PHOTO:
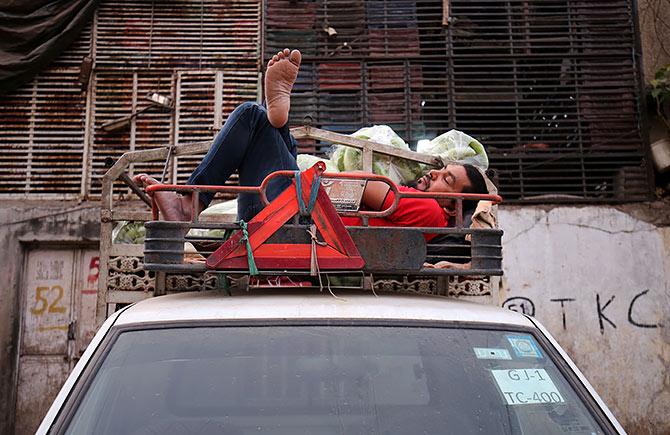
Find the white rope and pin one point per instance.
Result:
(331, 290)
(314, 260)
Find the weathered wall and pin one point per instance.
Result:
(597, 278)
(654, 19)
(23, 224)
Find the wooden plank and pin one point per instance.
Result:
(307, 132)
(154, 154)
(367, 160)
(160, 284)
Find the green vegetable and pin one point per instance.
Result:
(128, 232)
(457, 146)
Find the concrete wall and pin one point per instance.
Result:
(24, 224)
(597, 278)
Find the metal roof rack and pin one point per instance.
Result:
(378, 258)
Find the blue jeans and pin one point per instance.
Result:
(250, 145)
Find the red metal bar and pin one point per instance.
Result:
(496, 199)
(201, 188)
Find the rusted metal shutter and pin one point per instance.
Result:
(183, 34)
(551, 87)
(53, 135)
(42, 138)
(202, 54)
(204, 100)
(119, 94)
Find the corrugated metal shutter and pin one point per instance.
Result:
(551, 86)
(373, 70)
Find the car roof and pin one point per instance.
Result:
(215, 305)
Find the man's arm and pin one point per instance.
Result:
(374, 194)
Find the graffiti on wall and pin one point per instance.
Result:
(526, 305)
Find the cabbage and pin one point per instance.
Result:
(457, 146)
(337, 158)
(353, 159)
(128, 232)
(453, 145)
(397, 169)
(382, 134)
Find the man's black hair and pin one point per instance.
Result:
(477, 185)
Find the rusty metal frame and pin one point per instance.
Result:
(109, 215)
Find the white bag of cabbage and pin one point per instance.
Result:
(306, 161)
(128, 232)
(397, 169)
(457, 146)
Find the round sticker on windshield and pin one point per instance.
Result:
(524, 346)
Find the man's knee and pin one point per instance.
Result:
(250, 111)
(249, 107)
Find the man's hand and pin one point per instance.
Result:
(447, 265)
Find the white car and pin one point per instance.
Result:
(285, 362)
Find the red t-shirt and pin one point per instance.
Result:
(411, 212)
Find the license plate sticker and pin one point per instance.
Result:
(491, 353)
(524, 346)
(526, 386)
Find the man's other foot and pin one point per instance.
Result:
(279, 78)
(173, 207)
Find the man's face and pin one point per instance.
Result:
(450, 179)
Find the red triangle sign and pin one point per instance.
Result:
(336, 251)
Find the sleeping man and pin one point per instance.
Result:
(255, 141)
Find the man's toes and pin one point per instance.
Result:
(144, 180)
(295, 57)
(147, 180)
(286, 52)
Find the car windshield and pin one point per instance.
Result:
(395, 379)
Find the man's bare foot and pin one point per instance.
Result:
(173, 207)
(279, 78)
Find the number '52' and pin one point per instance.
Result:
(43, 303)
